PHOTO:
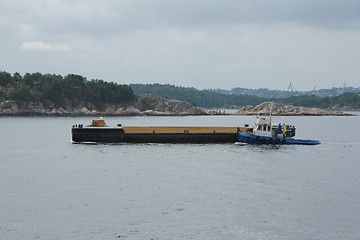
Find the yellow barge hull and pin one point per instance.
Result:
(155, 134)
(181, 129)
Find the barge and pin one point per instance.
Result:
(264, 132)
(99, 132)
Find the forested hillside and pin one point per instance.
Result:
(55, 91)
(201, 98)
(346, 100)
(268, 93)
(210, 99)
(50, 89)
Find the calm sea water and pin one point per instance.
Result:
(51, 188)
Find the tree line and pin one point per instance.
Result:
(268, 93)
(51, 89)
(211, 99)
(201, 98)
(348, 100)
(72, 89)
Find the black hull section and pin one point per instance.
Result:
(117, 135)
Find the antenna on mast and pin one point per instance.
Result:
(270, 106)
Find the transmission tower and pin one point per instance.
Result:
(291, 88)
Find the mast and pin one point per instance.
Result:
(270, 106)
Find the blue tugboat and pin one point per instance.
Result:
(265, 132)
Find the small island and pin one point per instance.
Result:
(280, 109)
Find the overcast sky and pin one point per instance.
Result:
(192, 43)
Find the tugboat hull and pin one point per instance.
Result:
(257, 139)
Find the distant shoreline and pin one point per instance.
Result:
(156, 106)
(95, 115)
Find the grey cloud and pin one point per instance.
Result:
(322, 13)
(202, 43)
(103, 18)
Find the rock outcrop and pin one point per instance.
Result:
(280, 109)
(150, 105)
(143, 105)
(153, 106)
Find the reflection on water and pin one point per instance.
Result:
(261, 147)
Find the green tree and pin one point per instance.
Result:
(5, 79)
(20, 92)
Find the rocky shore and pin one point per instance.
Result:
(154, 106)
(279, 109)
(143, 106)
